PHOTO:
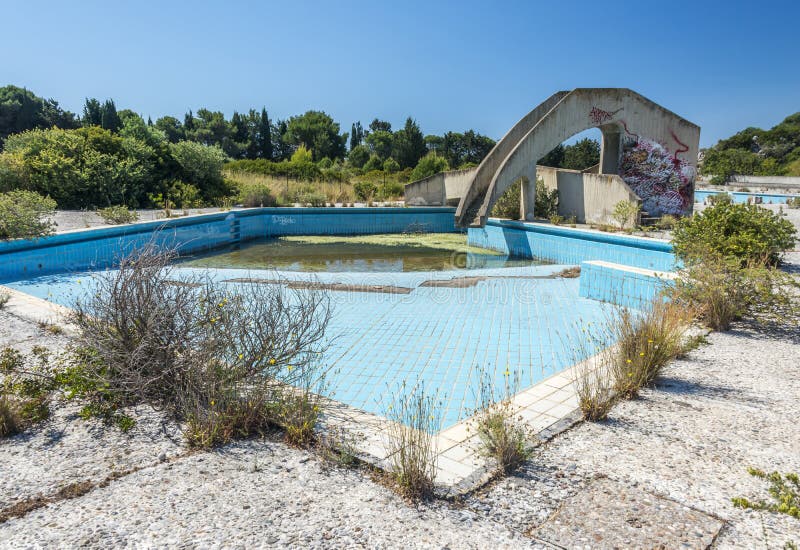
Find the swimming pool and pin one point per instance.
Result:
(702, 196)
(500, 311)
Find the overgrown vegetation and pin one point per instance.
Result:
(744, 231)
(26, 389)
(626, 213)
(722, 289)
(413, 418)
(646, 341)
(784, 490)
(546, 201)
(219, 358)
(753, 151)
(25, 215)
(508, 206)
(501, 432)
(118, 214)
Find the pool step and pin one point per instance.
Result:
(236, 230)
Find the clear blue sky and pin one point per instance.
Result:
(451, 65)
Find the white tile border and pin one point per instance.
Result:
(460, 466)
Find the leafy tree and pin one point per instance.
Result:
(554, 158)
(282, 149)
(467, 148)
(581, 155)
(380, 143)
(319, 133)
(21, 110)
(80, 168)
(92, 113)
(374, 163)
(171, 127)
(358, 156)
(201, 166)
(434, 143)
(390, 165)
(378, 125)
(429, 165)
(408, 144)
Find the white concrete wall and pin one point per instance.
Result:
(439, 189)
(589, 197)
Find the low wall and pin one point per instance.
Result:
(622, 285)
(103, 247)
(444, 188)
(571, 246)
(590, 197)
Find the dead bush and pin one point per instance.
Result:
(215, 355)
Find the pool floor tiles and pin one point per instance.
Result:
(442, 338)
(445, 340)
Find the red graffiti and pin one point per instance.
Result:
(684, 148)
(625, 126)
(599, 116)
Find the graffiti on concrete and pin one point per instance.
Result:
(661, 179)
(599, 116)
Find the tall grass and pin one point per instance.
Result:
(501, 432)
(413, 419)
(646, 341)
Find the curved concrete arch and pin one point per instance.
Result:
(667, 146)
(485, 172)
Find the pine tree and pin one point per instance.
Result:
(109, 119)
(264, 136)
(92, 112)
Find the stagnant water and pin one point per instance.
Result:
(290, 255)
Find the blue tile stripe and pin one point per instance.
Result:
(103, 247)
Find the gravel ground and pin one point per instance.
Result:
(69, 220)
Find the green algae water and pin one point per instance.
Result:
(366, 253)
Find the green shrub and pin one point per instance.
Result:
(722, 290)
(429, 165)
(253, 195)
(793, 202)
(118, 214)
(743, 231)
(314, 199)
(25, 215)
(555, 219)
(645, 343)
(508, 205)
(720, 198)
(4, 298)
(26, 389)
(546, 201)
(365, 191)
(784, 490)
(625, 213)
(667, 221)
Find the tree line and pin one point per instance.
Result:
(107, 155)
(756, 152)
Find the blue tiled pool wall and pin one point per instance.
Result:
(571, 246)
(743, 197)
(103, 247)
(616, 286)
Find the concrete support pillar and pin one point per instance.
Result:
(610, 151)
(528, 196)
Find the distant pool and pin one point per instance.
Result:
(742, 197)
